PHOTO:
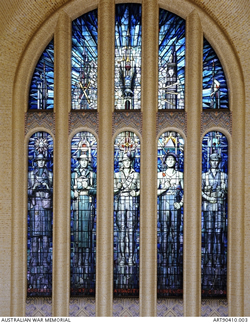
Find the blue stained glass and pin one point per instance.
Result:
(41, 94)
(171, 64)
(84, 61)
(215, 92)
(126, 214)
(128, 56)
(170, 190)
(214, 215)
(83, 214)
(40, 217)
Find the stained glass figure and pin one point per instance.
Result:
(41, 94)
(128, 56)
(126, 214)
(214, 214)
(40, 218)
(215, 92)
(170, 183)
(83, 214)
(171, 63)
(84, 61)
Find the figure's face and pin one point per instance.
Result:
(170, 161)
(214, 164)
(41, 163)
(83, 163)
(171, 72)
(126, 163)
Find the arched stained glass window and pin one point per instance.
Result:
(84, 61)
(170, 190)
(215, 92)
(126, 214)
(214, 214)
(41, 94)
(128, 56)
(40, 217)
(171, 65)
(83, 214)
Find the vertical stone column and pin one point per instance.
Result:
(104, 244)
(148, 219)
(61, 220)
(192, 210)
(19, 217)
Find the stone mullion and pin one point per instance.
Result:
(61, 219)
(104, 244)
(148, 219)
(192, 189)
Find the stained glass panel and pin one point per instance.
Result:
(83, 214)
(170, 190)
(128, 56)
(41, 94)
(215, 92)
(126, 214)
(40, 217)
(214, 214)
(171, 64)
(84, 61)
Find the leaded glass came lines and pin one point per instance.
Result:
(41, 94)
(128, 56)
(171, 64)
(215, 92)
(170, 191)
(40, 218)
(84, 61)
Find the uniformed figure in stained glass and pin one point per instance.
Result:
(126, 192)
(170, 202)
(40, 188)
(83, 193)
(128, 56)
(214, 219)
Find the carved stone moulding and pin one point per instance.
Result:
(44, 119)
(218, 118)
(132, 119)
(83, 119)
(175, 119)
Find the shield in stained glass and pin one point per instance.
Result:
(126, 214)
(83, 214)
(40, 217)
(41, 94)
(128, 56)
(215, 92)
(171, 64)
(170, 190)
(214, 215)
(84, 61)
